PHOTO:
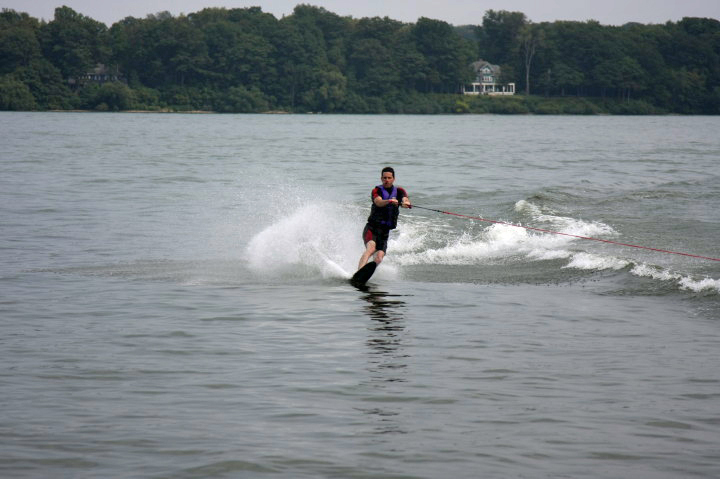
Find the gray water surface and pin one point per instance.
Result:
(174, 298)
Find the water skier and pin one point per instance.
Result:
(387, 200)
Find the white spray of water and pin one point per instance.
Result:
(589, 261)
(322, 241)
(564, 224)
(592, 262)
(314, 241)
(503, 242)
(500, 241)
(683, 282)
(595, 262)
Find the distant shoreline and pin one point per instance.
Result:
(449, 104)
(241, 60)
(190, 112)
(207, 112)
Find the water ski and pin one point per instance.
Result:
(363, 274)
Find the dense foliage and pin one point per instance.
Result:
(246, 60)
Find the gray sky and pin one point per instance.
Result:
(456, 12)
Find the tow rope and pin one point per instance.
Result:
(566, 234)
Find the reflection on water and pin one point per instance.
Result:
(387, 358)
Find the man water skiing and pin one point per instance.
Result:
(386, 202)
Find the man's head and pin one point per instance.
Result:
(388, 177)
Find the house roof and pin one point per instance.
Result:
(100, 69)
(480, 65)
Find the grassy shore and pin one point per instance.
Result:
(444, 104)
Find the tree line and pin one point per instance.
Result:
(246, 60)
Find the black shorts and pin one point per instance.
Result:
(378, 235)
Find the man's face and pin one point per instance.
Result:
(387, 179)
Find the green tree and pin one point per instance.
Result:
(373, 64)
(631, 76)
(530, 38)
(329, 94)
(689, 95)
(160, 50)
(497, 38)
(19, 44)
(565, 77)
(47, 85)
(187, 59)
(15, 95)
(114, 95)
(373, 67)
(237, 54)
(447, 55)
(74, 43)
(308, 47)
(241, 100)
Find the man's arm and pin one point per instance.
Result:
(381, 203)
(405, 200)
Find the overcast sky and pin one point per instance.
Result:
(456, 12)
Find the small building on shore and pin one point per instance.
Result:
(98, 75)
(487, 81)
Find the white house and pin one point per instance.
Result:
(487, 81)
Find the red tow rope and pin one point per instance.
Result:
(566, 234)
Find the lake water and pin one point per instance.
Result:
(174, 299)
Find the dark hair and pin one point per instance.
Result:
(388, 169)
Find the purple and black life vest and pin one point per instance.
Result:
(386, 216)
